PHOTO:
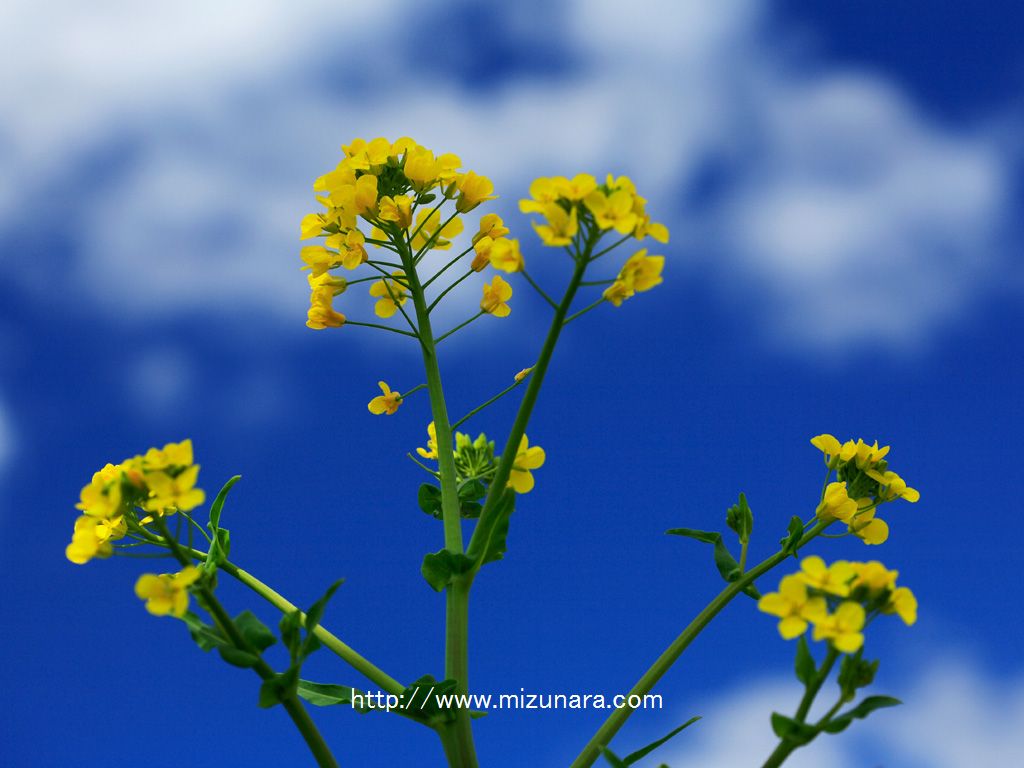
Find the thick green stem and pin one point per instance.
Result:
(670, 655)
(457, 595)
(785, 748)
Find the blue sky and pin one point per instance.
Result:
(843, 188)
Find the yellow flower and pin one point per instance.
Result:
(427, 230)
(166, 593)
(903, 603)
(647, 228)
(390, 295)
(829, 445)
(321, 312)
(834, 579)
(311, 226)
(365, 201)
(505, 255)
(318, 259)
(577, 188)
(327, 280)
(473, 190)
(169, 494)
(351, 247)
(617, 292)
(448, 165)
(491, 226)
(874, 576)
(397, 209)
(387, 403)
(102, 496)
(92, 537)
(527, 458)
(561, 226)
(421, 168)
(893, 486)
(496, 293)
(842, 628)
(523, 373)
(642, 272)
(401, 146)
(482, 253)
(172, 454)
(870, 529)
(430, 452)
(836, 503)
(614, 211)
(794, 607)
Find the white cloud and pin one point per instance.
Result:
(953, 716)
(846, 215)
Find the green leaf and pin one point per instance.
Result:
(855, 672)
(473, 490)
(806, 668)
(614, 760)
(237, 656)
(256, 633)
(794, 532)
(429, 499)
(496, 542)
(290, 635)
(839, 723)
(419, 700)
(642, 753)
(439, 568)
(316, 611)
(279, 687)
(793, 731)
(724, 561)
(741, 519)
(328, 695)
(218, 503)
(204, 635)
(425, 198)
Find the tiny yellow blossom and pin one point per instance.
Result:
(482, 253)
(496, 294)
(386, 403)
(167, 593)
(576, 188)
(874, 576)
(102, 496)
(842, 628)
(543, 191)
(505, 255)
(390, 295)
(397, 209)
(351, 247)
(321, 312)
(829, 445)
(834, 579)
(836, 503)
(92, 537)
(903, 603)
(366, 195)
(170, 493)
(617, 292)
(614, 211)
(430, 452)
(318, 259)
(421, 168)
(642, 272)
(523, 373)
(172, 454)
(793, 606)
(327, 280)
(894, 486)
(429, 229)
(473, 190)
(527, 458)
(561, 226)
(491, 226)
(312, 225)
(870, 529)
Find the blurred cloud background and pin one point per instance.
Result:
(842, 182)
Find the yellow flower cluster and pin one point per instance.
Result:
(613, 205)
(161, 481)
(167, 593)
(864, 482)
(640, 273)
(837, 600)
(391, 187)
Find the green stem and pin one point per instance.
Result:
(670, 655)
(295, 709)
(584, 311)
(380, 327)
(445, 292)
(538, 289)
(785, 748)
(481, 534)
(457, 594)
(331, 641)
(480, 407)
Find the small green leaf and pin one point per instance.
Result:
(724, 561)
(614, 760)
(793, 731)
(327, 695)
(794, 533)
(644, 752)
(741, 519)
(237, 656)
(429, 499)
(425, 198)
(290, 635)
(316, 611)
(439, 568)
(204, 635)
(256, 633)
(279, 687)
(218, 548)
(473, 490)
(870, 704)
(806, 668)
(855, 672)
